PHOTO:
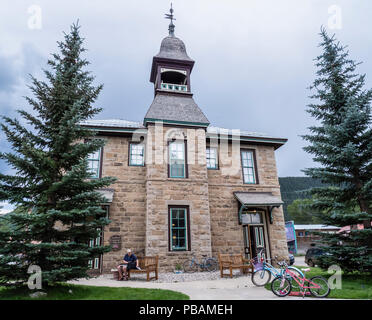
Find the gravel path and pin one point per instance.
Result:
(171, 277)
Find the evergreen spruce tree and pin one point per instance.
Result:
(58, 209)
(342, 145)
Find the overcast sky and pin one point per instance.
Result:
(254, 58)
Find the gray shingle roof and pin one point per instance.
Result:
(176, 107)
(173, 48)
(119, 123)
(211, 131)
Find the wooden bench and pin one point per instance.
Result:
(233, 261)
(147, 264)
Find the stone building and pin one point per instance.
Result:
(185, 187)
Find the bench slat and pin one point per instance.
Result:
(233, 261)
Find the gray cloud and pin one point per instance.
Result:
(7, 74)
(14, 78)
(253, 58)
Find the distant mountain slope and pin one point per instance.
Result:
(293, 188)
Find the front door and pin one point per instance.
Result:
(257, 241)
(247, 246)
(254, 234)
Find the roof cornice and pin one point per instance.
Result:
(178, 123)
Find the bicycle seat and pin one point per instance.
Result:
(306, 269)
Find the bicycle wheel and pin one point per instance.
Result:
(190, 266)
(281, 287)
(261, 277)
(323, 289)
(211, 264)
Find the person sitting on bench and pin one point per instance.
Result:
(130, 261)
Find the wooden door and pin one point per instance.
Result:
(257, 241)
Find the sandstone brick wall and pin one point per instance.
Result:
(139, 211)
(227, 234)
(162, 192)
(127, 211)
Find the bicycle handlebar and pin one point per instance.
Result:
(282, 263)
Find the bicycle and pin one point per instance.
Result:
(281, 286)
(264, 271)
(209, 264)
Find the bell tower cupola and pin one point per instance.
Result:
(170, 74)
(171, 67)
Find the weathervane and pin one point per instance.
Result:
(171, 18)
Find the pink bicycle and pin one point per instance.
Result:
(282, 285)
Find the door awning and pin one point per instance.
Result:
(258, 199)
(108, 194)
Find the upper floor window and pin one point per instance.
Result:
(212, 159)
(94, 164)
(136, 154)
(179, 229)
(249, 174)
(177, 160)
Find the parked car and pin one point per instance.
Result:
(291, 259)
(312, 255)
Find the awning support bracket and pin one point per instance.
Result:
(242, 207)
(271, 208)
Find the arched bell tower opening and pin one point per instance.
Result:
(173, 79)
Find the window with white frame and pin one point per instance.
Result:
(248, 168)
(94, 164)
(136, 154)
(95, 263)
(177, 162)
(212, 158)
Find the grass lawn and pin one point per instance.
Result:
(79, 292)
(354, 286)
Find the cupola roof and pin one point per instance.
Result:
(173, 48)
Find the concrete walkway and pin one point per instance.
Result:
(240, 288)
(300, 261)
